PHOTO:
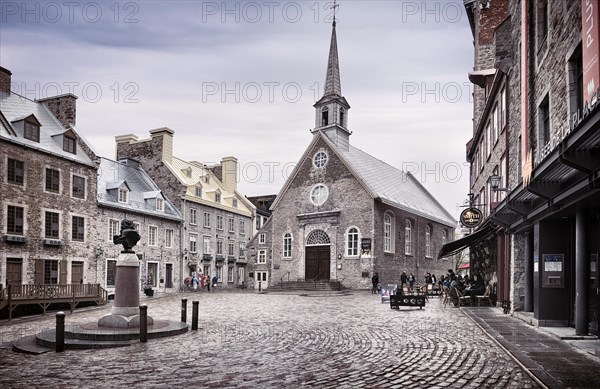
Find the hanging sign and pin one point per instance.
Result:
(471, 217)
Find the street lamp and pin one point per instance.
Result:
(495, 183)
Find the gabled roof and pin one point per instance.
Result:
(15, 108)
(112, 174)
(382, 181)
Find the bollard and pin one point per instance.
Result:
(195, 315)
(183, 310)
(259, 286)
(60, 332)
(143, 323)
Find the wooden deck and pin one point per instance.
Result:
(44, 295)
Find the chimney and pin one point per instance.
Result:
(63, 107)
(229, 167)
(5, 75)
(165, 135)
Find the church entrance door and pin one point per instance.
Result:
(317, 263)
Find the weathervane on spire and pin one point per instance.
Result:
(334, 7)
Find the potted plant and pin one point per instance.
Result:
(147, 284)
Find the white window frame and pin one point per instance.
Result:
(193, 216)
(220, 222)
(193, 244)
(123, 190)
(261, 257)
(408, 237)
(320, 159)
(160, 204)
(73, 175)
(111, 223)
(60, 223)
(206, 245)
(231, 247)
(206, 219)
(231, 223)
(150, 242)
(287, 245)
(316, 197)
(169, 238)
(262, 238)
(154, 283)
(242, 227)
(220, 247)
(389, 227)
(352, 245)
(230, 271)
(427, 241)
(85, 227)
(242, 248)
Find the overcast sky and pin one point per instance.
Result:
(240, 78)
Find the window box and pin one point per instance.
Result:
(207, 257)
(52, 242)
(15, 239)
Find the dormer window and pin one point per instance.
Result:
(160, 204)
(188, 172)
(218, 196)
(234, 203)
(31, 131)
(198, 191)
(123, 195)
(324, 116)
(207, 179)
(69, 144)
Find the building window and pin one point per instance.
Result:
(15, 171)
(234, 203)
(160, 204)
(231, 248)
(428, 241)
(69, 145)
(111, 273)
(152, 235)
(495, 125)
(219, 222)
(113, 229)
(503, 109)
(78, 229)
(408, 238)
(207, 179)
(206, 219)
(262, 256)
(231, 224)
(242, 249)
(52, 180)
(488, 139)
(542, 26)
(544, 121)
(206, 241)
(242, 227)
(152, 274)
(193, 216)
(576, 84)
(261, 238)
(503, 177)
(320, 159)
(324, 116)
(352, 242)
(388, 232)
(50, 271)
(342, 117)
(444, 237)
(219, 273)
(31, 131)
(230, 274)
(52, 223)
(124, 195)
(14, 220)
(193, 244)
(169, 239)
(319, 194)
(287, 245)
(219, 246)
(78, 187)
(198, 191)
(217, 197)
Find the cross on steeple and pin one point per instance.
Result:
(335, 6)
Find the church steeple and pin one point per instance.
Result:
(332, 109)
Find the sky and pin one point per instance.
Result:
(240, 78)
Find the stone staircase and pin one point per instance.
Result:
(308, 285)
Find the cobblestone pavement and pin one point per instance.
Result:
(250, 340)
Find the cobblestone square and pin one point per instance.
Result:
(275, 340)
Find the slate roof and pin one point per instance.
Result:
(112, 174)
(15, 107)
(393, 186)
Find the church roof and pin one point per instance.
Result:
(393, 186)
(333, 85)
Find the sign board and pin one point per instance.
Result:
(590, 50)
(471, 217)
(365, 244)
(553, 270)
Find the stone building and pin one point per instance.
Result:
(48, 192)
(217, 219)
(343, 214)
(548, 58)
(125, 191)
(263, 210)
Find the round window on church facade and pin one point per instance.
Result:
(319, 194)
(320, 159)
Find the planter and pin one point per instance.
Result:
(149, 292)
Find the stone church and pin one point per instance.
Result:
(343, 214)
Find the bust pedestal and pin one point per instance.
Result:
(125, 312)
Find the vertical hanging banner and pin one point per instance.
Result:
(590, 50)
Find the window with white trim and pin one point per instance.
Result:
(78, 228)
(287, 245)
(152, 235)
(207, 248)
(262, 256)
(319, 194)
(408, 238)
(242, 249)
(230, 274)
(388, 232)
(320, 159)
(193, 243)
(15, 220)
(160, 204)
(242, 227)
(219, 222)
(193, 216)
(113, 229)
(428, 241)
(231, 247)
(261, 238)
(352, 238)
(123, 195)
(169, 235)
(219, 246)
(231, 224)
(15, 173)
(78, 187)
(206, 219)
(52, 225)
(52, 180)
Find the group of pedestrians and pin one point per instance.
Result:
(199, 281)
(468, 286)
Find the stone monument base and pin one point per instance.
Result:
(121, 321)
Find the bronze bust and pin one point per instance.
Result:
(128, 238)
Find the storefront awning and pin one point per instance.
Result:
(468, 241)
(464, 266)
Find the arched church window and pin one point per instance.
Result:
(317, 238)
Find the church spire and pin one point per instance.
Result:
(333, 85)
(331, 116)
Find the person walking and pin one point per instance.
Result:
(375, 282)
(208, 282)
(403, 279)
(411, 280)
